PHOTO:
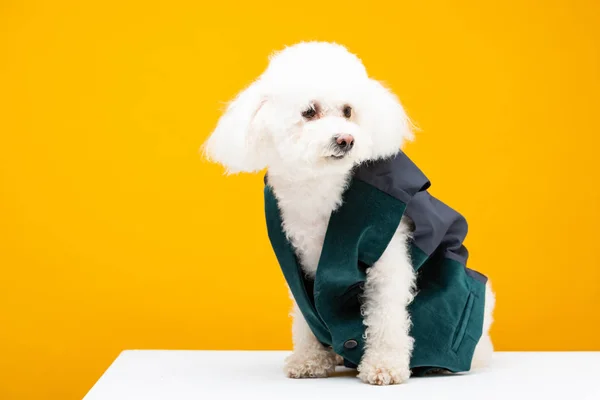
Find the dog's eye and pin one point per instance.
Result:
(309, 113)
(347, 111)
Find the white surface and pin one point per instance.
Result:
(199, 375)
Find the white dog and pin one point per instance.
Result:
(310, 118)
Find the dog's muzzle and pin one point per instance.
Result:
(342, 144)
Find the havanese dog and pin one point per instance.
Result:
(311, 119)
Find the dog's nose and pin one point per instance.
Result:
(345, 142)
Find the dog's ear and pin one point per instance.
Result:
(238, 140)
(387, 121)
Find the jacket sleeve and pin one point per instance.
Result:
(437, 228)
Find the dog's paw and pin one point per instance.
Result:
(310, 364)
(382, 373)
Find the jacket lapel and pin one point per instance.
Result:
(301, 289)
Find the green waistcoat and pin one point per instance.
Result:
(446, 313)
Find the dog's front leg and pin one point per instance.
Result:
(389, 288)
(310, 358)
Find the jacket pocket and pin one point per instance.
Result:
(461, 328)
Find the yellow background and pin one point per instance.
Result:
(114, 234)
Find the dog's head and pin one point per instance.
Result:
(314, 108)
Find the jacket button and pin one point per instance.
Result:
(350, 344)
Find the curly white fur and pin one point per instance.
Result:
(264, 127)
